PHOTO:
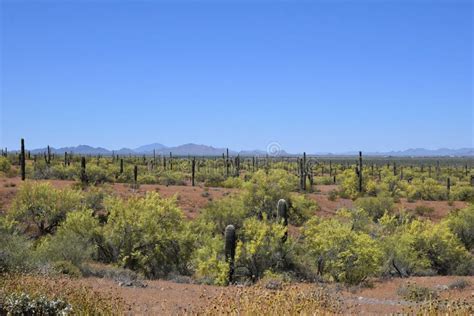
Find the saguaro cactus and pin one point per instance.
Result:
(83, 170)
(472, 180)
(302, 176)
(360, 172)
(193, 169)
(282, 216)
(22, 160)
(229, 249)
(448, 186)
(121, 165)
(49, 156)
(135, 175)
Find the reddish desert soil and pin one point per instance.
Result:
(169, 298)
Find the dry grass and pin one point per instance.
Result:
(83, 299)
(290, 300)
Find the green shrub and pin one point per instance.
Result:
(15, 249)
(209, 261)
(23, 304)
(260, 247)
(415, 293)
(461, 223)
(462, 193)
(346, 255)
(148, 234)
(74, 241)
(169, 177)
(422, 247)
(262, 192)
(5, 165)
(225, 211)
(376, 207)
(67, 268)
(43, 206)
(423, 210)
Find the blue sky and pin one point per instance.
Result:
(314, 76)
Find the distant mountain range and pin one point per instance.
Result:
(204, 150)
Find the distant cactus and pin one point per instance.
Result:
(448, 185)
(282, 216)
(193, 170)
(121, 165)
(360, 172)
(83, 170)
(22, 160)
(135, 175)
(229, 249)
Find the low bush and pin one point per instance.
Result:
(415, 293)
(376, 207)
(43, 206)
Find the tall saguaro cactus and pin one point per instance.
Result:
(135, 176)
(121, 165)
(448, 186)
(83, 170)
(282, 216)
(193, 170)
(22, 160)
(229, 249)
(360, 172)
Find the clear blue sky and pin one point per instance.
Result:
(314, 76)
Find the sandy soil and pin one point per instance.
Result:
(169, 298)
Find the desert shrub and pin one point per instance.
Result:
(209, 261)
(262, 192)
(147, 179)
(349, 184)
(170, 177)
(94, 197)
(392, 185)
(232, 182)
(344, 254)
(461, 223)
(63, 172)
(5, 165)
(50, 291)
(212, 179)
(148, 234)
(422, 247)
(225, 211)
(428, 190)
(459, 284)
(43, 206)
(67, 268)
(74, 240)
(300, 209)
(97, 174)
(15, 249)
(23, 304)
(462, 193)
(423, 210)
(415, 293)
(376, 207)
(260, 247)
(332, 196)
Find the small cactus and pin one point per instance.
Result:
(229, 249)
(83, 170)
(22, 160)
(193, 170)
(282, 216)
